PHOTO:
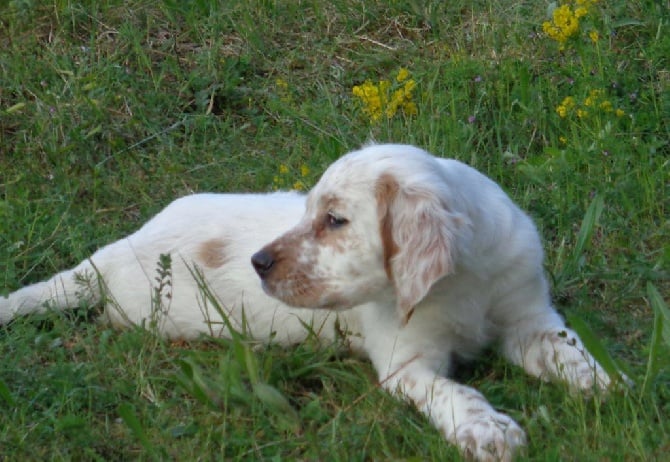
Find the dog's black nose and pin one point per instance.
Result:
(263, 263)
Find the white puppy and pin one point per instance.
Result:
(417, 258)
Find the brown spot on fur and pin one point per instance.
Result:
(212, 253)
(386, 189)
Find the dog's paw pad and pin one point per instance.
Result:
(493, 437)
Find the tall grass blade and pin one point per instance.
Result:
(660, 333)
(192, 381)
(275, 401)
(589, 222)
(660, 309)
(595, 347)
(127, 413)
(576, 258)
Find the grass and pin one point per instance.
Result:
(110, 109)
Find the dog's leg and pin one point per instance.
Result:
(64, 290)
(461, 413)
(546, 348)
(409, 364)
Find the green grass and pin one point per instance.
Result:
(110, 109)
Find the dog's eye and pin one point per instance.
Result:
(336, 222)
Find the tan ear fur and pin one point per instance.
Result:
(386, 190)
(417, 236)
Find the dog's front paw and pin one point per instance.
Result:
(490, 437)
(590, 377)
(563, 356)
(585, 374)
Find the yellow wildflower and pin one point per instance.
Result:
(408, 88)
(377, 99)
(564, 24)
(580, 12)
(593, 104)
(304, 170)
(410, 108)
(403, 74)
(279, 180)
(562, 139)
(373, 97)
(594, 96)
(402, 99)
(384, 86)
(566, 106)
(606, 106)
(283, 178)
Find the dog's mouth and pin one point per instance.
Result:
(266, 288)
(288, 292)
(305, 296)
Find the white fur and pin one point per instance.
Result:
(434, 259)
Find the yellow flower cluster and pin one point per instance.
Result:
(280, 180)
(565, 21)
(386, 98)
(566, 107)
(594, 102)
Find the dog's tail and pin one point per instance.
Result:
(69, 289)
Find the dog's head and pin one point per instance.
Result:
(377, 225)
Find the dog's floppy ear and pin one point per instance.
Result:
(418, 235)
